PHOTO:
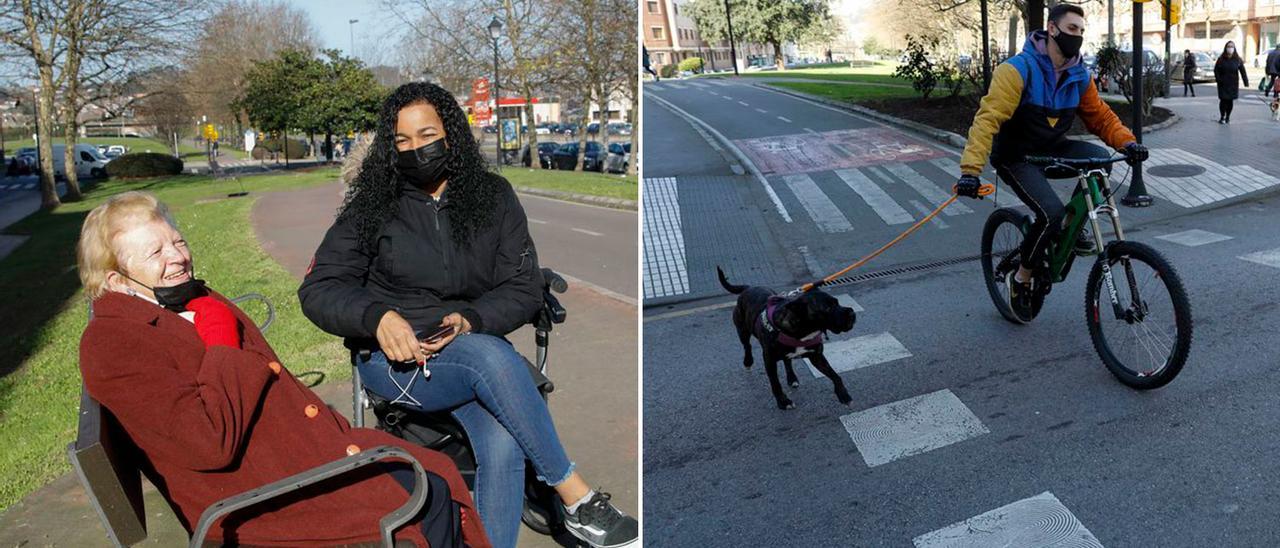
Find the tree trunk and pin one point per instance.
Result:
(778, 61)
(582, 138)
(44, 111)
(69, 157)
(635, 133)
(328, 146)
(534, 163)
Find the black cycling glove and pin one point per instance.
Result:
(968, 186)
(1135, 152)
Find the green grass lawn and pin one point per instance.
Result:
(880, 73)
(851, 94)
(135, 144)
(45, 311)
(588, 182)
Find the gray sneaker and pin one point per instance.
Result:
(598, 523)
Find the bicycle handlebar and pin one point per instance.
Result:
(1075, 163)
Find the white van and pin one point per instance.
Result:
(90, 163)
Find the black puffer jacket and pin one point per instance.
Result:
(419, 271)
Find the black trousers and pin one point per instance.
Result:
(1031, 186)
(1188, 86)
(1225, 106)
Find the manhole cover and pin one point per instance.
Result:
(1176, 170)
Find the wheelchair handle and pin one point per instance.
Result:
(554, 281)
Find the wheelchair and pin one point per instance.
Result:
(441, 432)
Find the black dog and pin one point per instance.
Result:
(789, 328)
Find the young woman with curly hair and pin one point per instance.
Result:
(429, 237)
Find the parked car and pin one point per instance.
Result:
(619, 128)
(545, 152)
(543, 129)
(566, 157)
(112, 154)
(491, 128)
(1204, 67)
(593, 128)
(569, 130)
(619, 158)
(88, 161)
(118, 149)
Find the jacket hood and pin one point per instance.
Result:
(1038, 43)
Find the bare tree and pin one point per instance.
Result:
(34, 27)
(166, 106)
(228, 43)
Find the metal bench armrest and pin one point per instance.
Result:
(388, 524)
(271, 309)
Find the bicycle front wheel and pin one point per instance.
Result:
(1145, 337)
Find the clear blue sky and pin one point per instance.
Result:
(329, 17)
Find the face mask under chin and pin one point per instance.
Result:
(176, 297)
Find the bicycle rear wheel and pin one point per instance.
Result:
(1147, 345)
(1001, 240)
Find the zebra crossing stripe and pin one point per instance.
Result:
(863, 351)
(910, 427)
(846, 299)
(1270, 257)
(927, 188)
(1041, 520)
(947, 165)
(874, 196)
(824, 212)
(675, 86)
(924, 212)
(1194, 237)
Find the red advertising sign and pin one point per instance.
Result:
(480, 101)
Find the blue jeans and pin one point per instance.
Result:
(486, 385)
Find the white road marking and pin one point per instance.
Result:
(1269, 257)
(1041, 520)
(664, 271)
(674, 85)
(742, 158)
(743, 103)
(587, 232)
(811, 131)
(815, 268)
(864, 351)
(762, 111)
(847, 300)
(874, 196)
(910, 427)
(927, 188)
(537, 221)
(821, 209)
(1194, 237)
(727, 98)
(784, 119)
(925, 211)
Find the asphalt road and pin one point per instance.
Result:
(1027, 430)
(1187, 465)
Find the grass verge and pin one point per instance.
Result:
(880, 73)
(591, 183)
(45, 311)
(850, 94)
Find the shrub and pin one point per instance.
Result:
(144, 164)
(1117, 66)
(918, 68)
(693, 64)
(667, 71)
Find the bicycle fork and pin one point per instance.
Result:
(1136, 311)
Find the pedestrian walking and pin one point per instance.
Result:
(648, 68)
(1188, 73)
(1224, 73)
(1273, 72)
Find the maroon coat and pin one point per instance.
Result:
(221, 421)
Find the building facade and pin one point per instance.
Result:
(671, 37)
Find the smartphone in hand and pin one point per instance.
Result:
(439, 335)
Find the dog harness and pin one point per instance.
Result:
(766, 322)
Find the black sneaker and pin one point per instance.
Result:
(598, 523)
(1019, 296)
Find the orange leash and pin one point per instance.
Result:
(983, 190)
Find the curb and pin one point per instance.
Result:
(613, 203)
(943, 136)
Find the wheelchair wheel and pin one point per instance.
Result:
(542, 511)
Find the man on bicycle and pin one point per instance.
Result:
(1033, 99)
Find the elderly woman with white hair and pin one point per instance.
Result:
(196, 386)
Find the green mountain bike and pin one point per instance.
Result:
(1139, 320)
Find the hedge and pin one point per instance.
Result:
(144, 164)
(297, 148)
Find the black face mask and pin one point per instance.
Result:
(176, 297)
(424, 166)
(1069, 44)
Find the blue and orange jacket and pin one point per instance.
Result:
(1028, 110)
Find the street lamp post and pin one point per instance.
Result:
(351, 31)
(1137, 195)
(495, 30)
